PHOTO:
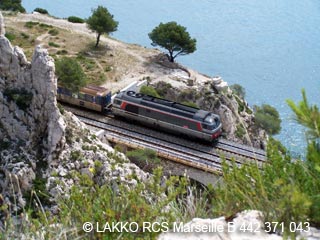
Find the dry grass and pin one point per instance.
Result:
(102, 65)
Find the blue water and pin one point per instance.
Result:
(272, 48)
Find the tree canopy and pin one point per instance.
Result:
(101, 21)
(174, 38)
(70, 74)
(12, 5)
(267, 117)
(238, 90)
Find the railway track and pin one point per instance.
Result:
(164, 149)
(225, 148)
(196, 155)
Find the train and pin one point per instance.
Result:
(90, 97)
(156, 112)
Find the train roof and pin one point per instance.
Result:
(170, 103)
(95, 90)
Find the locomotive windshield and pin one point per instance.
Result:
(211, 121)
(209, 118)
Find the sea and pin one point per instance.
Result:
(271, 48)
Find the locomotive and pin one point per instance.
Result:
(167, 115)
(156, 112)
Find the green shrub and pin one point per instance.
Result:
(163, 88)
(188, 95)
(62, 52)
(41, 10)
(70, 74)
(10, 36)
(43, 25)
(284, 189)
(267, 117)
(238, 90)
(76, 155)
(278, 190)
(75, 19)
(148, 90)
(31, 24)
(12, 5)
(240, 131)
(61, 108)
(146, 156)
(24, 35)
(53, 44)
(53, 32)
(21, 97)
(141, 203)
(108, 69)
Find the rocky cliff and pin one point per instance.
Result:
(37, 141)
(2, 30)
(214, 94)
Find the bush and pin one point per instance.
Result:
(149, 91)
(70, 74)
(41, 10)
(43, 25)
(238, 90)
(31, 24)
(279, 190)
(12, 5)
(53, 32)
(106, 204)
(62, 52)
(240, 131)
(163, 88)
(75, 19)
(10, 36)
(21, 97)
(267, 117)
(143, 155)
(24, 35)
(53, 44)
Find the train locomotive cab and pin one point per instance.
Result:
(212, 123)
(168, 115)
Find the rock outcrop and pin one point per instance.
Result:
(31, 128)
(214, 95)
(28, 107)
(2, 30)
(40, 142)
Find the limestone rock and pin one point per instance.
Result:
(2, 29)
(219, 84)
(40, 119)
(31, 126)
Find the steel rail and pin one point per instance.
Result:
(163, 149)
(203, 161)
(229, 150)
